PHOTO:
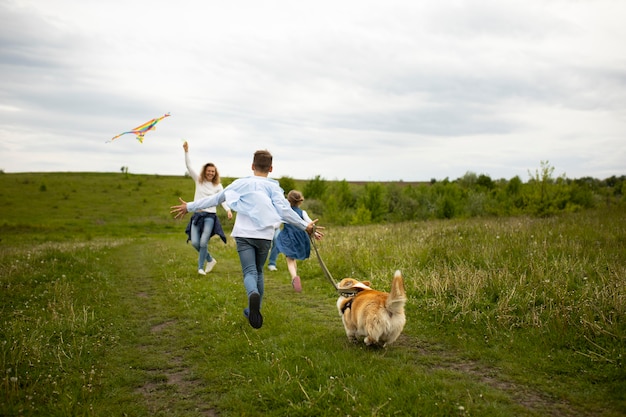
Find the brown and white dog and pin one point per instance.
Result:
(378, 316)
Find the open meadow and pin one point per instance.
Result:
(102, 313)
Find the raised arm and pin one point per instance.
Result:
(193, 174)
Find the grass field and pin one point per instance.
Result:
(102, 313)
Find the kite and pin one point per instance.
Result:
(140, 131)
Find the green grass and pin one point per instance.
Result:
(102, 313)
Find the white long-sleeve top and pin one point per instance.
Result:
(260, 204)
(204, 189)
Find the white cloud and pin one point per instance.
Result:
(356, 90)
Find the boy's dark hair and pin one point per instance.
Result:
(262, 161)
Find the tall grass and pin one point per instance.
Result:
(507, 287)
(105, 315)
(52, 330)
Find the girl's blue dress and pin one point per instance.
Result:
(294, 242)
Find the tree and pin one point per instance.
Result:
(545, 199)
(468, 180)
(287, 184)
(485, 181)
(543, 179)
(373, 199)
(315, 188)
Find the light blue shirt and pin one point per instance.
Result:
(260, 204)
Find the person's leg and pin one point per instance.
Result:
(203, 253)
(209, 222)
(195, 242)
(203, 242)
(247, 251)
(273, 253)
(195, 236)
(292, 266)
(263, 249)
(252, 255)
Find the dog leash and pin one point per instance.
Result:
(347, 292)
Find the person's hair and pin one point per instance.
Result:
(295, 197)
(262, 161)
(216, 178)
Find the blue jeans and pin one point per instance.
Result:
(252, 255)
(200, 240)
(274, 252)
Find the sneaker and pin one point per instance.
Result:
(296, 284)
(254, 315)
(209, 265)
(272, 268)
(201, 272)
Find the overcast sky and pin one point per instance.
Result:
(359, 90)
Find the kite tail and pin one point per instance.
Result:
(112, 139)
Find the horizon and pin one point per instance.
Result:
(120, 172)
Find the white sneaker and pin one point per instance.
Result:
(210, 265)
(272, 268)
(201, 272)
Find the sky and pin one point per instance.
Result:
(391, 90)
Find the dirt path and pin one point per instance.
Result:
(170, 387)
(173, 385)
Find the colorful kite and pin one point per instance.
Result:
(140, 131)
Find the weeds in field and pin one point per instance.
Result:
(563, 277)
(506, 316)
(51, 335)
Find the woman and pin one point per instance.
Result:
(204, 223)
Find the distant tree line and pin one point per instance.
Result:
(472, 195)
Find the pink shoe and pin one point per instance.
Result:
(295, 283)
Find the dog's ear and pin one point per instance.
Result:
(362, 286)
(347, 283)
(369, 284)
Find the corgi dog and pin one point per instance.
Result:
(375, 315)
